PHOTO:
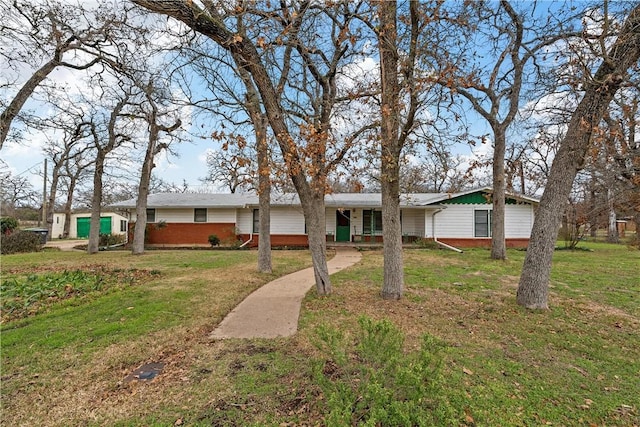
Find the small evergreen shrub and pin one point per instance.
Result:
(19, 242)
(8, 225)
(370, 380)
(214, 240)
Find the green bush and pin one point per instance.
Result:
(18, 242)
(108, 239)
(214, 240)
(370, 381)
(8, 225)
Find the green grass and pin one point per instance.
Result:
(576, 364)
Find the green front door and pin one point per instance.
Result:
(343, 226)
(84, 225)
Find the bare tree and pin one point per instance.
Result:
(107, 135)
(268, 59)
(152, 115)
(50, 34)
(599, 91)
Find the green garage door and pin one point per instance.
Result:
(84, 224)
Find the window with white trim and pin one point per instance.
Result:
(151, 215)
(200, 215)
(123, 226)
(256, 221)
(482, 223)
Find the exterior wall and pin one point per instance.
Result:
(295, 240)
(221, 215)
(518, 221)
(456, 221)
(58, 223)
(413, 223)
(287, 221)
(192, 234)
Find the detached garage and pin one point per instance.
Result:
(110, 223)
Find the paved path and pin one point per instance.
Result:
(273, 310)
(65, 245)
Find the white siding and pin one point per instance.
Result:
(518, 221)
(413, 222)
(330, 220)
(456, 221)
(245, 221)
(287, 221)
(174, 215)
(283, 221)
(221, 215)
(57, 226)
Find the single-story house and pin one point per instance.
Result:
(457, 219)
(110, 223)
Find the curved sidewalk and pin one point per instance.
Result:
(273, 310)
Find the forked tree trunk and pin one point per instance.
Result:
(137, 247)
(536, 272)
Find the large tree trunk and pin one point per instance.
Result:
(96, 205)
(314, 213)
(264, 198)
(137, 247)
(536, 272)
(498, 244)
(393, 285)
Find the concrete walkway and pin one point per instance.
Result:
(66, 245)
(273, 310)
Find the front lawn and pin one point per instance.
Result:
(65, 363)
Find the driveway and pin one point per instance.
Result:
(66, 245)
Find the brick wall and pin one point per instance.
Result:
(186, 233)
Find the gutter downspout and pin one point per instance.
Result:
(433, 232)
(248, 241)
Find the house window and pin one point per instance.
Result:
(200, 215)
(123, 226)
(371, 222)
(482, 223)
(256, 220)
(151, 215)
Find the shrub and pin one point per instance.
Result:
(214, 240)
(108, 239)
(8, 225)
(19, 242)
(372, 381)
